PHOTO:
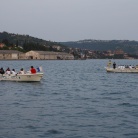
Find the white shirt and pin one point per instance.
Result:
(13, 72)
(8, 72)
(21, 72)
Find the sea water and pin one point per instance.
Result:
(75, 99)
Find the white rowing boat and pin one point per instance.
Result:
(28, 77)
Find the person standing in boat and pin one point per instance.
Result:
(2, 71)
(109, 63)
(114, 65)
(33, 70)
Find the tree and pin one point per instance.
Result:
(17, 43)
(6, 42)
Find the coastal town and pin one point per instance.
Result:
(25, 47)
(60, 53)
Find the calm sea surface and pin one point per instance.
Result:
(75, 99)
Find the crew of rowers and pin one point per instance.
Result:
(8, 71)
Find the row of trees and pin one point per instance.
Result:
(27, 46)
(34, 46)
(26, 42)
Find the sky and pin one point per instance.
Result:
(71, 20)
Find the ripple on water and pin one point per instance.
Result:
(75, 99)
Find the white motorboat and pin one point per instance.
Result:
(28, 77)
(122, 70)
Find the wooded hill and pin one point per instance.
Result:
(32, 43)
(26, 41)
(127, 46)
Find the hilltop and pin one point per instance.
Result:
(27, 42)
(130, 47)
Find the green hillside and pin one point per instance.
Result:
(127, 46)
(26, 41)
(31, 43)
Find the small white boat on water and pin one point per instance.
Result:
(28, 77)
(121, 70)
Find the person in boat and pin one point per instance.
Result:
(2, 71)
(130, 67)
(33, 70)
(13, 72)
(109, 63)
(22, 71)
(114, 65)
(8, 71)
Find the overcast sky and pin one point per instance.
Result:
(71, 20)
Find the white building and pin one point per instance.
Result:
(11, 54)
(48, 55)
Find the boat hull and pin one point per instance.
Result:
(118, 70)
(22, 77)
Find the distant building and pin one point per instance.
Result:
(11, 54)
(108, 53)
(14, 54)
(48, 55)
(56, 47)
(127, 57)
(2, 45)
(119, 52)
